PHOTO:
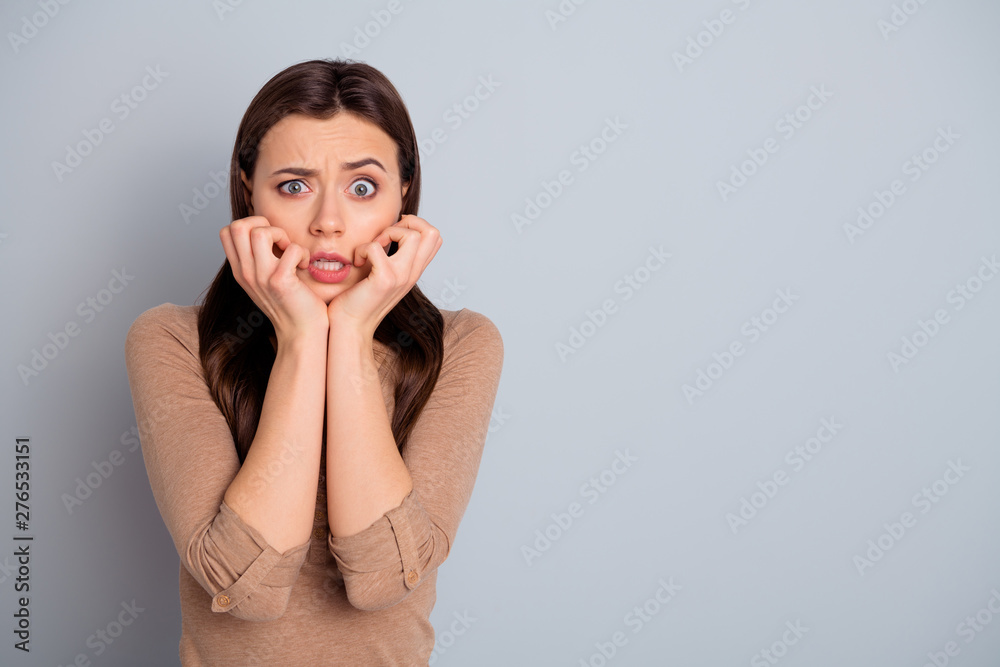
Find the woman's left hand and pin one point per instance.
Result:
(363, 305)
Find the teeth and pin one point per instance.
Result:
(328, 265)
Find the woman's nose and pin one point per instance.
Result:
(328, 216)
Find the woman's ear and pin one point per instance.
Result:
(247, 192)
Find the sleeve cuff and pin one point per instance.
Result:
(389, 545)
(256, 568)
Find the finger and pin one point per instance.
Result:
(365, 252)
(416, 251)
(262, 240)
(241, 230)
(394, 233)
(226, 238)
(226, 235)
(244, 250)
(425, 253)
(410, 259)
(406, 222)
(290, 261)
(413, 221)
(383, 242)
(301, 255)
(382, 272)
(404, 252)
(281, 239)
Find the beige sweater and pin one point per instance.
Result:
(363, 599)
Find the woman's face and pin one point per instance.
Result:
(332, 185)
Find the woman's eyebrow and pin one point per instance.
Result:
(361, 163)
(300, 171)
(295, 171)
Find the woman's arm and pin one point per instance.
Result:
(388, 559)
(275, 489)
(394, 517)
(365, 474)
(191, 461)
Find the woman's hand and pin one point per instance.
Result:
(293, 308)
(363, 305)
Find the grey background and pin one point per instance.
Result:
(560, 421)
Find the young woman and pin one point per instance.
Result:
(313, 430)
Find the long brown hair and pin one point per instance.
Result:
(234, 335)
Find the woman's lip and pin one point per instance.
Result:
(336, 257)
(324, 276)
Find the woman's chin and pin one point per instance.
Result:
(328, 292)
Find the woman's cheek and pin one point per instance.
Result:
(376, 221)
(280, 216)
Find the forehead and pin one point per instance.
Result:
(298, 140)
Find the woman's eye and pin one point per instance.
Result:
(362, 188)
(291, 187)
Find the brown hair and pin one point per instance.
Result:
(237, 367)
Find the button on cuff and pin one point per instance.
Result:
(404, 520)
(268, 567)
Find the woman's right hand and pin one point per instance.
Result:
(272, 283)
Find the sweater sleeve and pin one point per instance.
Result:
(191, 459)
(385, 561)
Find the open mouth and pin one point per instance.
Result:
(328, 265)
